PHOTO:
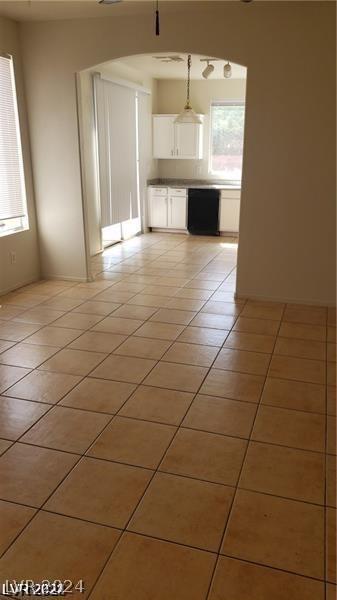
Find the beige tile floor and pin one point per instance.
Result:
(162, 441)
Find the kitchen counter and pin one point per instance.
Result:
(192, 183)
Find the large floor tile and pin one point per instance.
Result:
(292, 428)
(203, 335)
(92, 307)
(331, 480)
(157, 404)
(28, 474)
(13, 518)
(42, 386)
(235, 386)
(100, 491)
(331, 545)
(4, 445)
(183, 510)
(254, 363)
(298, 395)
(133, 442)
(220, 415)
(276, 532)
(298, 369)
(303, 332)
(311, 315)
(238, 580)
(26, 355)
(258, 310)
(10, 375)
(98, 395)
(191, 354)
(75, 551)
(124, 368)
(67, 429)
(118, 325)
(286, 472)
(73, 362)
(16, 332)
(300, 348)
(127, 311)
(143, 347)
(213, 321)
(53, 336)
(207, 456)
(96, 341)
(39, 316)
(250, 341)
(178, 317)
(174, 376)
(77, 321)
(160, 570)
(259, 326)
(16, 416)
(159, 331)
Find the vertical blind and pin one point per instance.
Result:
(12, 188)
(117, 151)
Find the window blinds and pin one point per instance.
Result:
(12, 187)
(117, 151)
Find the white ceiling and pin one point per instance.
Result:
(178, 70)
(46, 10)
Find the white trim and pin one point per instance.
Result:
(283, 300)
(123, 83)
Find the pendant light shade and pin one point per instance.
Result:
(227, 70)
(188, 115)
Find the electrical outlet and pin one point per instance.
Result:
(12, 257)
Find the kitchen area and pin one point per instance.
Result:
(164, 145)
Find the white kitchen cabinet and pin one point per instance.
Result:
(177, 213)
(230, 210)
(176, 140)
(158, 211)
(167, 208)
(163, 136)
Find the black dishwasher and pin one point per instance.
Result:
(203, 211)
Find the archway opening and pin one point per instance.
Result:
(127, 113)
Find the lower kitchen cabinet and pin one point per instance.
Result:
(167, 208)
(177, 213)
(230, 211)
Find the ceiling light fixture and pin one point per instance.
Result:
(208, 70)
(188, 115)
(227, 70)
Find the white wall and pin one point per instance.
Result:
(172, 98)
(114, 71)
(24, 244)
(287, 225)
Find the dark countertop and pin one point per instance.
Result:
(193, 183)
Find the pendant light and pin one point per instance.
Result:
(227, 70)
(188, 115)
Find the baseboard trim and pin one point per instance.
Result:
(45, 276)
(19, 285)
(283, 300)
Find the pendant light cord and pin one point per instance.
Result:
(157, 18)
(188, 81)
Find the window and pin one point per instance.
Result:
(226, 143)
(13, 208)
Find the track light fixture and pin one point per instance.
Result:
(109, 1)
(208, 70)
(227, 70)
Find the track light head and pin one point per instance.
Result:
(208, 71)
(109, 1)
(227, 70)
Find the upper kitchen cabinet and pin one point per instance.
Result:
(176, 140)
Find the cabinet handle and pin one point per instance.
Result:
(177, 151)
(172, 152)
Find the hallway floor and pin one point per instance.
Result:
(162, 441)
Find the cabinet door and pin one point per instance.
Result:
(230, 214)
(177, 212)
(158, 211)
(188, 142)
(163, 136)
